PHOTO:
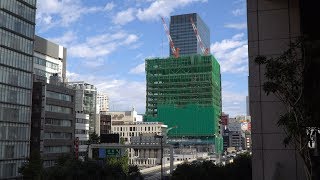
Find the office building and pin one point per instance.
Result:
(120, 117)
(82, 134)
(86, 103)
(105, 124)
(52, 120)
(103, 102)
(49, 59)
(142, 132)
(272, 25)
(17, 26)
(183, 35)
(185, 92)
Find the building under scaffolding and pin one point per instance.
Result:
(186, 92)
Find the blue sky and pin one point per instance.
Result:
(107, 43)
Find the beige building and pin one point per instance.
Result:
(103, 102)
(272, 25)
(143, 157)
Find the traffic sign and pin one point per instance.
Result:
(113, 152)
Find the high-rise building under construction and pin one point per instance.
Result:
(185, 91)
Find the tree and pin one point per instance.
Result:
(33, 168)
(285, 79)
(240, 169)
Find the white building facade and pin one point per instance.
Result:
(103, 102)
(49, 61)
(82, 133)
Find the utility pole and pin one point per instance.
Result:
(161, 147)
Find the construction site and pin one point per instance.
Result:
(184, 90)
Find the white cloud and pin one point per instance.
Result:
(140, 69)
(65, 39)
(241, 8)
(238, 26)
(109, 6)
(96, 46)
(122, 93)
(163, 8)
(232, 54)
(52, 13)
(152, 12)
(238, 12)
(233, 103)
(124, 17)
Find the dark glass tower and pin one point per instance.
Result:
(183, 35)
(17, 25)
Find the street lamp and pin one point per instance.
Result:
(161, 163)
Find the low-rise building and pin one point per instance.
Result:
(142, 132)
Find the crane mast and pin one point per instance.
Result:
(174, 50)
(204, 50)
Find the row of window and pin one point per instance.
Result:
(136, 128)
(59, 96)
(13, 150)
(46, 63)
(57, 135)
(9, 169)
(15, 77)
(20, 9)
(16, 42)
(58, 122)
(31, 2)
(16, 25)
(42, 73)
(82, 121)
(15, 59)
(81, 131)
(57, 149)
(13, 132)
(15, 95)
(14, 113)
(58, 109)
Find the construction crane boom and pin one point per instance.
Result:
(204, 50)
(174, 50)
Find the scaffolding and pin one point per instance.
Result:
(185, 92)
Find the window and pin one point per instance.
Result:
(58, 109)
(57, 149)
(58, 122)
(9, 151)
(59, 96)
(57, 135)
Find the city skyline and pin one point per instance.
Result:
(108, 41)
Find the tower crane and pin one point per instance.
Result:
(174, 50)
(204, 50)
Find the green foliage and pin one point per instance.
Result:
(32, 169)
(240, 169)
(284, 78)
(68, 168)
(94, 138)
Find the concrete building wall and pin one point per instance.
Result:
(53, 121)
(54, 54)
(272, 25)
(103, 101)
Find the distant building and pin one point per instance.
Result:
(82, 133)
(105, 124)
(52, 120)
(183, 35)
(103, 101)
(144, 132)
(123, 116)
(49, 58)
(86, 97)
(224, 119)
